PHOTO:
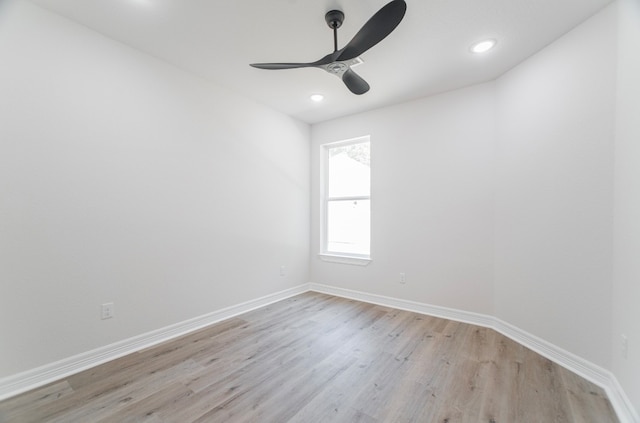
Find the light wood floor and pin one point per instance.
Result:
(317, 358)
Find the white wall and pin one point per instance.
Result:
(432, 200)
(498, 198)
(124, 179)
(555, 188)
(626, 288)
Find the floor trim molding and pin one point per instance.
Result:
(30, 379)
(596, 374)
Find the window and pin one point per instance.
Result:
(346, 199)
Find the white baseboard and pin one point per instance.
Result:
(25, 381)
(596, 374)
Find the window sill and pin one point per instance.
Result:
(334, 258)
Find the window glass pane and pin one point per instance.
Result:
(350, 170)
(348, 223)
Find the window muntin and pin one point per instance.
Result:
(347, 198)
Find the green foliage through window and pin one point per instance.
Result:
(360, 152)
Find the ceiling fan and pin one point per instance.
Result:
(338, 63)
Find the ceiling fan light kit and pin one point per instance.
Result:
(341, 61)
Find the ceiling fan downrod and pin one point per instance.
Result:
(334, 19)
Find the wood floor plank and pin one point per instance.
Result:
(584, 408)
(148, 409)
(101, 379)
(500, 393)
(13, 408)
(144, 386)
(318, 358)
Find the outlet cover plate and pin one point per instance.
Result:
(108, 311)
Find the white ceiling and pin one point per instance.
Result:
(428, 52)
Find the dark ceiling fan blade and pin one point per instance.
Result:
(354, 82)
(281, 65)
(375, 30)
(329, 58)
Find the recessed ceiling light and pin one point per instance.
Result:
(317, 97)
(483, 46)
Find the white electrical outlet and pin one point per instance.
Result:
(624, 343)
(282, 271)
(108, 311)
(403, 278)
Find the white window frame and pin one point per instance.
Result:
(337, 257)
